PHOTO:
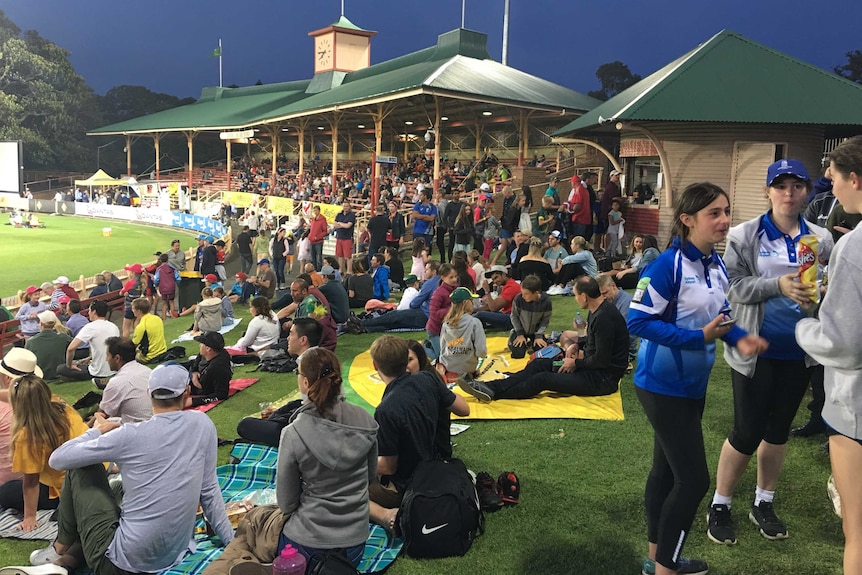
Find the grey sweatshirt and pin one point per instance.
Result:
(324, 467)
(749, 290)
(833, 339)
(462, 346)
(531, 318)
(208, 314)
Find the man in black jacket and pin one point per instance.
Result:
(595, 372)
(208, 257)
(453, 208)
(210, 370)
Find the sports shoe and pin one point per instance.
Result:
(554, 290)
(832, 491)
(764, 516)
(686, 566)
(509, 487)
(721, 529)
(47, 569)
(477, 389)
(44, 556)
(811, 428)
(486, 488)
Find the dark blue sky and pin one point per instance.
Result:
(165, 44)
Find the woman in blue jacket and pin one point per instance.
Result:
(679, 310)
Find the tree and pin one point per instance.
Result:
(126, 102)
(852, 70)
(614, 78)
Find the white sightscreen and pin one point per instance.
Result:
(10, 167)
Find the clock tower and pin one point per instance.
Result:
(341, 47)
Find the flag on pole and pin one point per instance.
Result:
(216, 52)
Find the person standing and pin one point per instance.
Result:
(424, 215)
(454, 209)
(378, 227)
(590, 179)
(345, 224)
(833, 340)
(611, 191)
(244, 243)
(278, 251)
(397, 228)
(176, 257)
(767, 299)
(167, 279)
(317, 234)
(678, 322)
(209, 257)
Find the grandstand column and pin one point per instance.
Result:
(300, 132)
(349, 146)
(336, 117)
(190, 142)
(437, 143)
(275, 136)
(478, 133)
(157, 138)
(128, 155)
(524, 140)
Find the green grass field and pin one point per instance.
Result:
(74, 246)
(581, 507)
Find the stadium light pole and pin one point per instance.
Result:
(506, 33)
(99, 152)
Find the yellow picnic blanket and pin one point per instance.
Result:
(364, 381)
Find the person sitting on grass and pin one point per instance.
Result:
(49, 344)
(359, 285)
(495, 312)
(305, 333)
(531, 314)
(149, 334)
(210, 371)
(126, 394)
(408, 416)
(168, 465)
(595, 372)
(581, 262)
(621, 300)
(263, 329)
(335, 293)
(242, 290)
(415, 316)
(226, 306)
(462, 337)
(94, 334)
(380, 277)
(207, 312)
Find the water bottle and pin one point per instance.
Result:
(580, 325)
(289, 562)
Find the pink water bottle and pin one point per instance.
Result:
(290, 562)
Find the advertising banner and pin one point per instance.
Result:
(329, 211)
(241, 199)
(152, 216)
(280, 206)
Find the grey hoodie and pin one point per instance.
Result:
(462, 346)
(208, 314)
(324, 467)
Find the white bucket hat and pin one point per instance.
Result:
(19, 362)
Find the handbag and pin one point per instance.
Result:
(334, 563)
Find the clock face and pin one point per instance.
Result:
(323, 53)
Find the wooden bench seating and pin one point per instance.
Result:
(10, 334)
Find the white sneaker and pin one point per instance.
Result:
(44, 556)
(554, 290)
(49, 569)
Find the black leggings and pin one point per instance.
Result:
(263, 431)
(629, 281)
(441, 244)
(765, 404)
(679, 477)
(569, 272)
(12, 496)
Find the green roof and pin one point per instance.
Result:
(730, 78)
(345, 23)
(459, 66)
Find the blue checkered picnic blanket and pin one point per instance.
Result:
(255, 469)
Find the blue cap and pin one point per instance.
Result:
(211, 239)
(788, 167)
(263, 261)
(202, 237)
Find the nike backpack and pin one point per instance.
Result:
(440, 513)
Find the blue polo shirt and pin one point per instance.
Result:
(421, 227)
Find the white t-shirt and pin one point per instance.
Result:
(408, 296)
(95, 333)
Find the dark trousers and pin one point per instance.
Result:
(539, 376)
(441, 244)
(815, 406)
(679, 477)
(82, 374)
(317, 255)
(246, 263)
(494, 319)
(569, 272)
(88, 517)
(261, 431)
(765, 404)
(396, 319)
(629, 281)
(278, 265)
(283, 301)
(451, 248)
(12, 496)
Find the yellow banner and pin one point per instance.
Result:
(280, 206)
(173, 188)
(329, 211)
(240, 199)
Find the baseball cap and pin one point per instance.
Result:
(614, 173)
(327, 271)
(135, 268)
(201, 237)
(411, 279)
(212, 278)
(47, 317)
(786, 167)
(62, 280)
(211, 339)
(168, 381)
(263, 261)
(495, 270)
(485, 187)
(556, 234)
(210, 239)
(241, 276)
(31, 289)
(64, 299)
(462, 294)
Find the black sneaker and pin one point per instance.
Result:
(477, 389)
(721, 529)
(685, 566)
(486, 487)
(810, 429)
(764, 516)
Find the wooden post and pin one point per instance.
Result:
(157, 138)
(128, 155)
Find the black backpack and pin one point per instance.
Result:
(440, 514)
